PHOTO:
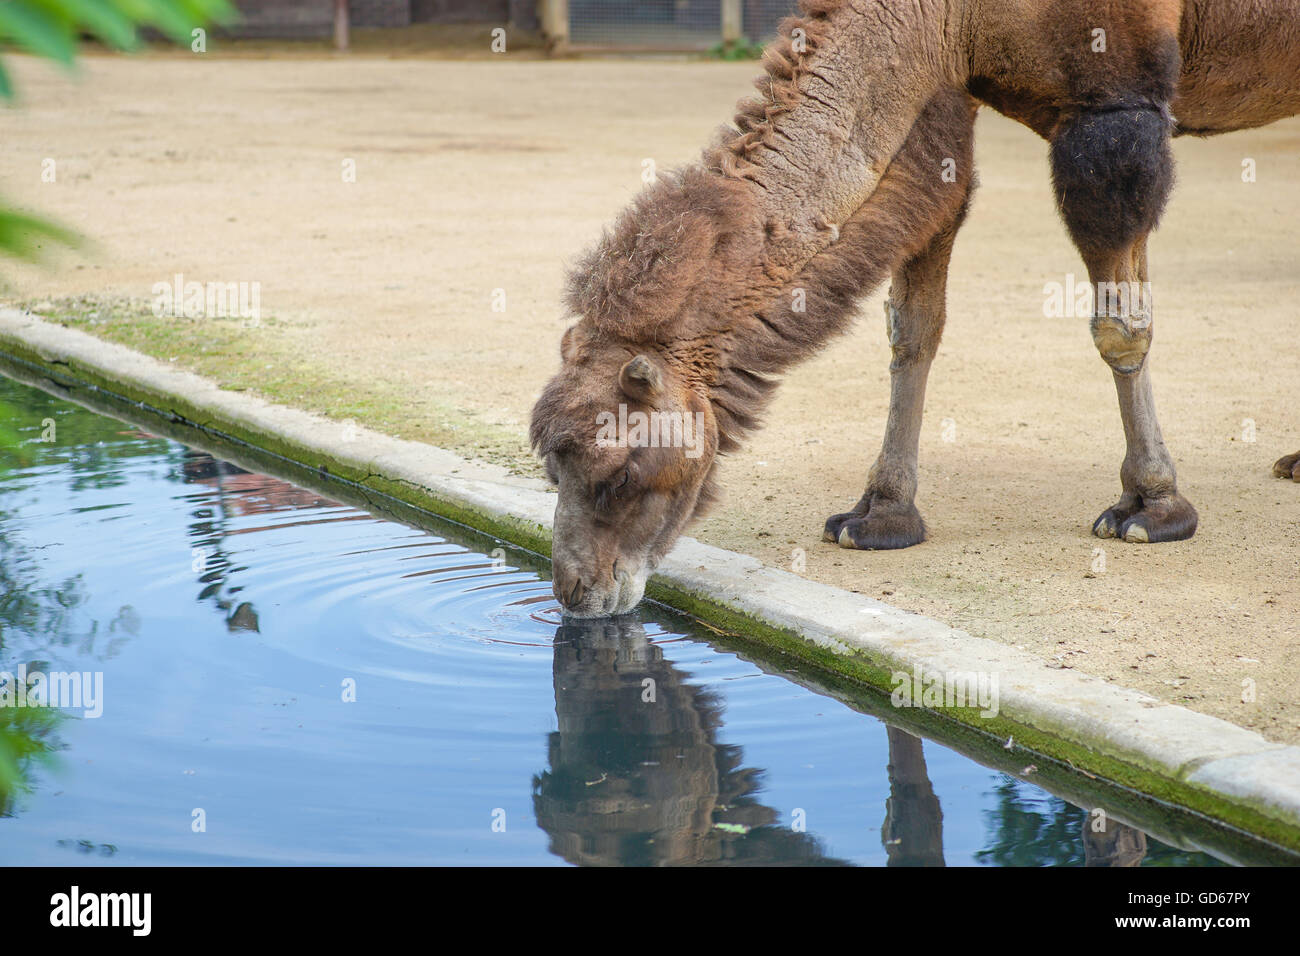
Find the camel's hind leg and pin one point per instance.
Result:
(1113, 171)
(886, 516)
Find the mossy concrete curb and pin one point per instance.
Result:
(1170, 753)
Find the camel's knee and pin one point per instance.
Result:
(1112, 170)
(913, 334)
(1123, 340)
(915, 309)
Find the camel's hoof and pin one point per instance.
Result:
(1171, 518)
(885, 527)
(1288, 466)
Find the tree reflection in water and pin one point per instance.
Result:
(1029, 827)
(233, 493)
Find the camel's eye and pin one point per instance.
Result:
(608, 492)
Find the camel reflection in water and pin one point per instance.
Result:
(1115, 845)
(912, 833)
(913, 829)
(637, 775)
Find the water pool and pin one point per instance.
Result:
(284, 678)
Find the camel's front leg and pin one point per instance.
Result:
(886, 516)
(1113, 171)
(1150, 509)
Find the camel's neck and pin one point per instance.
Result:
(741, 267)
(761, 317)
(745, 333)
(844, 85)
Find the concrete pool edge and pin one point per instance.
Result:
(1170, 753)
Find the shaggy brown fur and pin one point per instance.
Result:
(686, 270)
(787, 60)
(855, 163)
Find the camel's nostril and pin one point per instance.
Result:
(568, 588)
(624, 574)
(569, 594)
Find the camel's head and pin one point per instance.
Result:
(630, 444)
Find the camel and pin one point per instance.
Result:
(853, 164)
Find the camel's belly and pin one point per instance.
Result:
(1241, 64)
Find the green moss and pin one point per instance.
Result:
(262, 360)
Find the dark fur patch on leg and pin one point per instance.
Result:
(1113, 171)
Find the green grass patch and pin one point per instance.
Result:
(742, 49)
(261, 359)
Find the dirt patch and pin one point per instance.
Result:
(383, 293)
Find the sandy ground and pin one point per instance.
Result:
(491, 174)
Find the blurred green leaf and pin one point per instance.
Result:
(26, 25)
(169, 16)
(26, 737)
(211, 11)
(100, 18)
(51, 29)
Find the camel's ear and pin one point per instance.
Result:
(640, 379)
(571, 342)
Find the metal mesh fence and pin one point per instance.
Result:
(668, 24)
(762, 16)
